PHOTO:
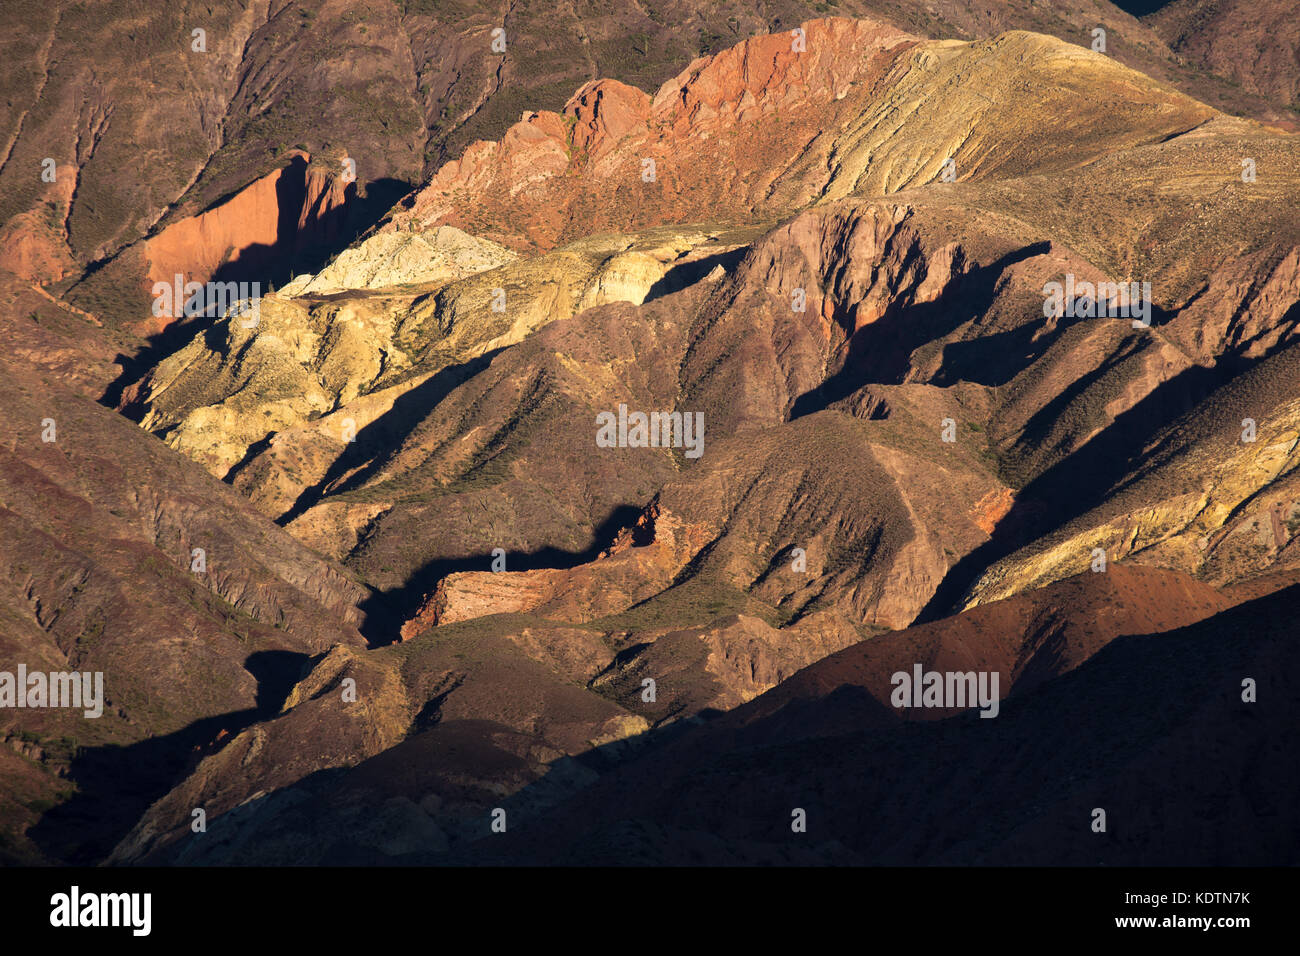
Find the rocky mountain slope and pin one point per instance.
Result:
(1255, 45)
(1080, 726)
(434, 579)
(919, 294)
(124, 559)
(388, 92)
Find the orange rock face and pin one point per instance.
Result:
(33, 244)
(605, 111)
(816, 62)
(292, 207)
(741, 107)
(197, 246)
(992, 508)
(32, 251)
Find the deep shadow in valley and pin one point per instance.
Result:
(1153, 729)
(115, 785)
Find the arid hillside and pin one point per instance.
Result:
(618, 413)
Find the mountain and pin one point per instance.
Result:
(1081, 725)
(443, 568)
(282, 96)
(930, 304)
(124, 559)
(1255, 45)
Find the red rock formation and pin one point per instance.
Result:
(32, 251)
(617, 579)
(33, 244)
(741, 103)
(293, 207)
(767, 72)
(604, 111)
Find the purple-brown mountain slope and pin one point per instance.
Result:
(100, 528)
(429, 589)
(1254, 44)
(1113, 697)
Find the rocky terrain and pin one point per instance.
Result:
(360, 571)
(1254, 45)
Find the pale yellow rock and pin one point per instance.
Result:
(312, 373)
(386, 259)
(627, 277)
(620, 728)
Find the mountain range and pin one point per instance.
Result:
(366, 587)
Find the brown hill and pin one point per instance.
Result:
(100, 527)
(1082, 727)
